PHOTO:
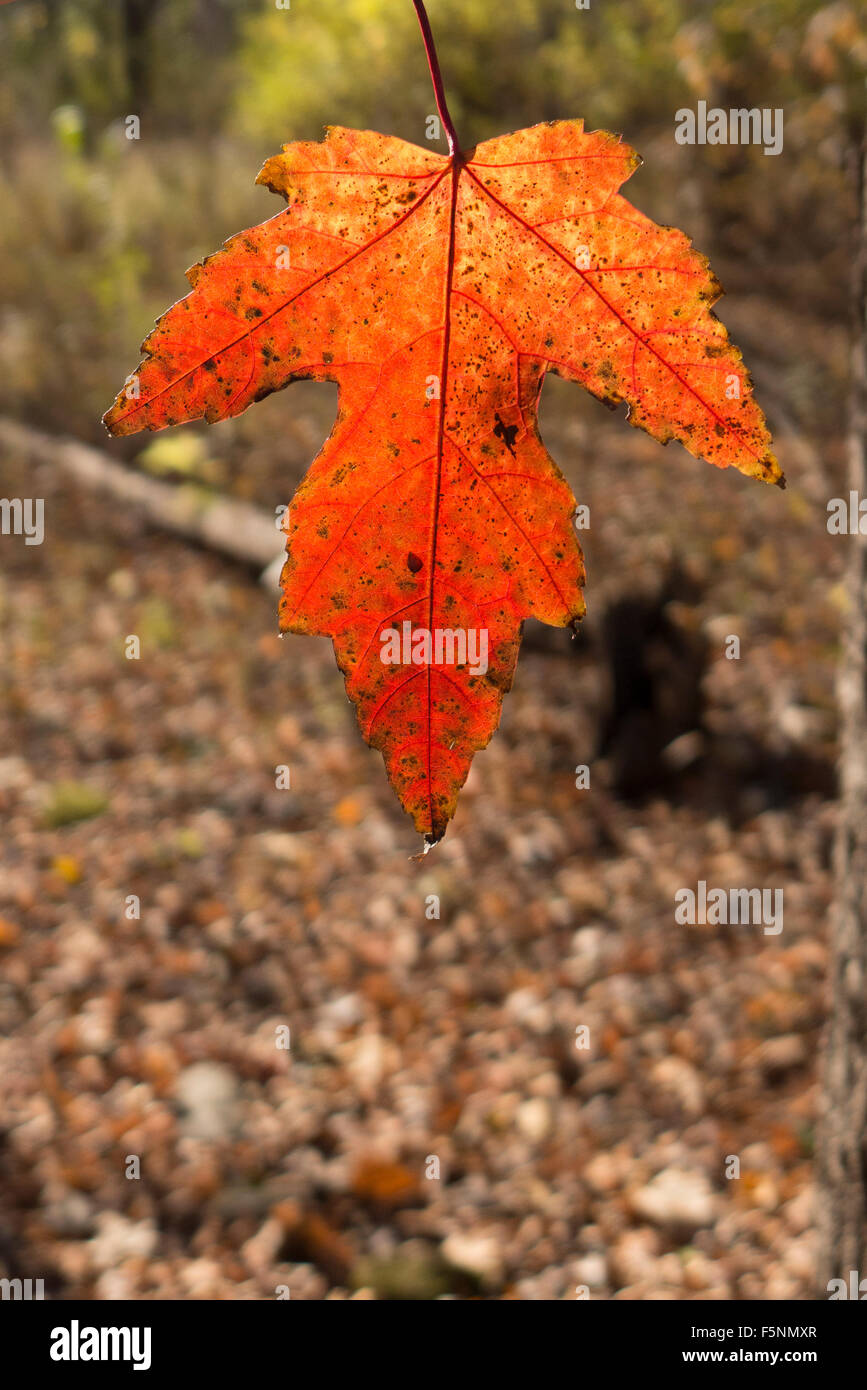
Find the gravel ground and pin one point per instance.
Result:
(432, 1129)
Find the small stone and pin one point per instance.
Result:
(475, 1254)
(602, 1173)
(798, 1213)
(777, 1056)
(698, 1272)
(675, 1200)
(71, 1217)
(592, 1270)
(533, 1119)
(260, 1251)
(208, 1093)
(634, 1256)
(118, 1239)
(14, 774)
(682, 1081)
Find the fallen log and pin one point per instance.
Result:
(233, 528)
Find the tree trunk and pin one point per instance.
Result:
(138, 19)
(842, 1148)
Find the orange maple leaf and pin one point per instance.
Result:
(437, 292)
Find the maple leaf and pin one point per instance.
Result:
(437, 291)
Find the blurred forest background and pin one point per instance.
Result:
(411, 1036)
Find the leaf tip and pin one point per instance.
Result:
(428, 843)
(112, 424)
(771, 472)
(273, 174)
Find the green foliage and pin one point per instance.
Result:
(505, 65)
(629, 64)
(272, 74)
(418, 1275)
(95, 226)
(181, 453)
(69, 802)
(155, 625)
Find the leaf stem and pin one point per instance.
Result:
(436, 77)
